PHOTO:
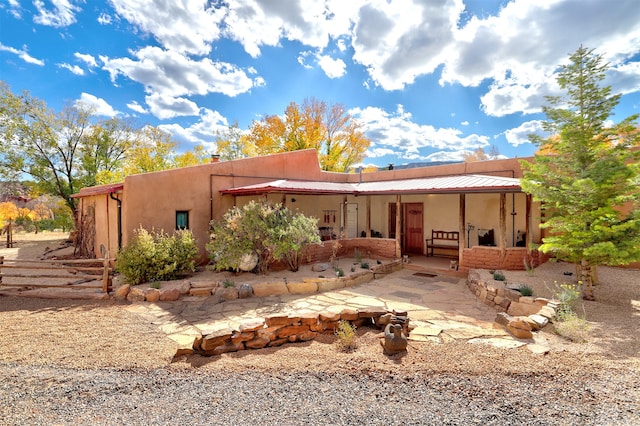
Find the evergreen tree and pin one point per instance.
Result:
(588, 177)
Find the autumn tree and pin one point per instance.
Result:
(589, 184)
(329, 129)
(233, 144)
(481, 155)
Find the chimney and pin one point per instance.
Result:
(215, 158)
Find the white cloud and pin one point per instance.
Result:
(135, 106)
(169, 77)
(73, 68)
(333, 68)
(62, 14)
(104, 19)
(188, 26)
(202, 132)
(22, 54)
(398, 133)
(520, 135)
(87, 59)
(398, 40)
(165, 107)
(98, 105)
(519, 48)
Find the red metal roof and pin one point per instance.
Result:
(428, 185)
(98, 190)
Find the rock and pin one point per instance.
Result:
(503, 319)
(349, 315)
(371, 312)
(122, 292)
(547, 311)
(202, 292)
(270, 289)
(540, 320)
(245, 291)
(184, 287)
(292, 330)
(248, 262)
(328, 316)
(252, 325)
(136, 295)
(227, 347)
(394, 340)
(238, 337)
(204, 284)
(257, 343)
(520, 333)
(307, 335)
(218, 338)
(302, 287)
(152, 295)
(320, 267)
(522, 309)
(229, 293)
(281, 320)
(169, 295)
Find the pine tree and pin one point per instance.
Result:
(588, 177)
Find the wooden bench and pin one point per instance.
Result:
(444, 240)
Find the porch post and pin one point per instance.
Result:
(368, 228)
(345, 217)
(461, 226)
(503, 224)
(527, 226)
(398, 224)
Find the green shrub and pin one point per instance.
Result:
(339, 272)
(228, 283)
(156, 256)
(498, 276)
(346, 334)
(364, 265)
(271, 232)
(525, 290)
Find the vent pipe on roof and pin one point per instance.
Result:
(215, 158)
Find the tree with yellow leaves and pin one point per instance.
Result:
(329, 129)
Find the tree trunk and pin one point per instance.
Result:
(587, 280)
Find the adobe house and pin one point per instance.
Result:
(487, 220)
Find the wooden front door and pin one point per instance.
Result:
(413, 237)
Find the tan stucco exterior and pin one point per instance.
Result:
(151, 200)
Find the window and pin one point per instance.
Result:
(182, 219)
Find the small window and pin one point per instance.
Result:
(182, 219)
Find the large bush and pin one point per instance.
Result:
(156, 256)
(270, 232)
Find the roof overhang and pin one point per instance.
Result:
(99, 190)
(459, 184)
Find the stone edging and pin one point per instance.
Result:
(219, 293)
(517, 314)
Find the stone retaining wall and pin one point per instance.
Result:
(519, 315)
(384, 248)
(277, 330)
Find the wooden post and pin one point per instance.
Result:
(106, 279)
(1, 263)
(529, 238)
(462, 227)
(10, 234)
(503, 224)
(368, 228)
(345, 218)
(398, 225)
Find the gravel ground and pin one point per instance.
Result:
(95, 363)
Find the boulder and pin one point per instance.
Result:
(122, 292)
(245, 291)
(152, 295)
(540, 320)
(248, 262)
(320, 267)
(184, 287)
(170, 294)
(136, 295)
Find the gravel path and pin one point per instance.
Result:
(55, 395)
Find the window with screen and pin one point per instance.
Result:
(182, 219)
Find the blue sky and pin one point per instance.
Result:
(428, 80)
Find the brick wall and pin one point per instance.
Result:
(384, 248)
(490, 258)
